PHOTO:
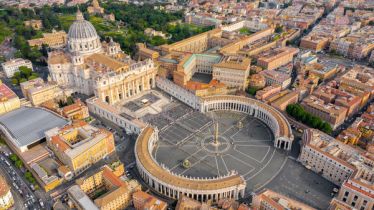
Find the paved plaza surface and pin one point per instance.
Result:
(244, 144)
(302, 184)
(135, 105)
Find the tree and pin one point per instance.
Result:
(22, 80)
(252, 91)
(298, 112)
(14, 81)
(326, 127)
(30, 177)
(18, 164)
(25, 71)
(278, 29)
(13, 157)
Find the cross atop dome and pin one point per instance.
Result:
(79, 15)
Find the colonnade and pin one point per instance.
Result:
(174, 192)
(126, 88)
(173, 185)
(265, 113)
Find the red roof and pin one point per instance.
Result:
(6, 93)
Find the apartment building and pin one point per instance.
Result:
(6, 197)
(322, 70)
(276, 58)
(357, 45)
(327, 156)
(360, 78)
(276, 78)
(351, 168)
(331, 95)
(289, 97)
(331, 113)
(270, 200)
(358, 194)
(315, 43)
(267, 92)
(144, 201)
(257, 81)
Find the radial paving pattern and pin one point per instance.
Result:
(243, 143)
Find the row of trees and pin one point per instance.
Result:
(16, 161)
(298, 112)
(28, 175)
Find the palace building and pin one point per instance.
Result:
(88, 66)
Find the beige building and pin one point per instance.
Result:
(336, 204)
(315, 43)
(144, 201)
(54, 40)
(146, 53)
(281, 103)
(257, 81)
(12, 66)
(103, 189)
(358, 193)
(322, 70)
(185, 203)
(95, 8)
(37, 91)
(357, 45)
(360, 78)
(323, 154)
(233, 71)
(107, 179)
(267, 92)
(270, 200)
(6, 198)
(273, 78)
(35, 24)
(189, 64)
(8, 99)
(76, 111)
(331, 113)
(80, 145)
(346, 166)
(275, 58)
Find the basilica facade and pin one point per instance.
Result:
(91, 67)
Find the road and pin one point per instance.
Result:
(19, 183)
(17, 197)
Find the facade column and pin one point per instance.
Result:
(153, 81)
(133, 88)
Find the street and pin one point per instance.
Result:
(20, 186)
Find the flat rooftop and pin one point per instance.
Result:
(28, 124)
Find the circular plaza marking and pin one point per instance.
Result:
(243, 143)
